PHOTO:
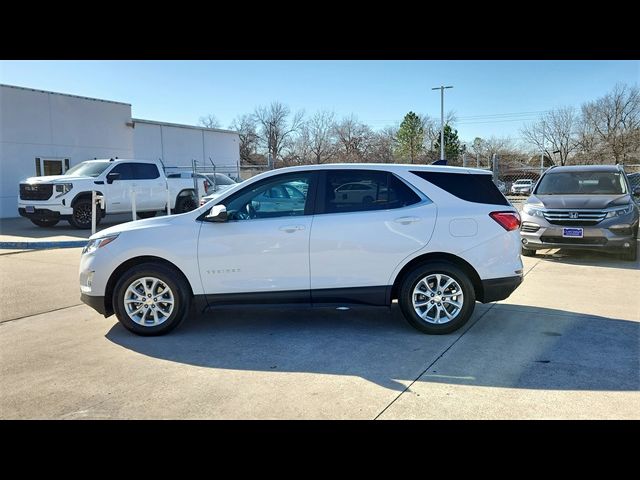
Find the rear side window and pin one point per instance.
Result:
(477, 188)
(363, 190)
(145, 171)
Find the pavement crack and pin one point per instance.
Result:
(39, 313)
(408, 387)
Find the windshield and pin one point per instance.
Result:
(582, 183)
(223, 180)
(88, 169)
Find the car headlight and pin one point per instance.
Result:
(533, 211)
(97, 243)
(63, 188)
(620, 211)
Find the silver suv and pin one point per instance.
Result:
(587, 207)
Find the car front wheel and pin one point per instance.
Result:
(151, 299)
(437, 298)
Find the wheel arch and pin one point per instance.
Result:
(132, 262)
(82, 196)
(434, 257)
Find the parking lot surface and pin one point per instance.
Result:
(566, 344)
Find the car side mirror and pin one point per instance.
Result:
(112, 176)
(218, 213)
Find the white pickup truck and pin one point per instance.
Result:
(47, 200)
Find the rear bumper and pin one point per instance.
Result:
(496, 289)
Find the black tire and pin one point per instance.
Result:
(412, 279)
(45, 222)
(528, 253)
(172, 278)
(185, 204)
(81, 217)
(631, 254)
(368, 200)
(146, 214)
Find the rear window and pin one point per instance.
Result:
(477, 188)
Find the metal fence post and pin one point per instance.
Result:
(93, 212)
(133, 202)
(168, 198)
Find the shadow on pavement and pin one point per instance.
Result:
(585, 257)
(511, 346)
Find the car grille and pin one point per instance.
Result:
(577, 218)
(575, 241)
(35, 191)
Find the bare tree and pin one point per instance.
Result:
(321, 130)
(275, 128)
(557, 131)
(245, 125)
(209, 121)
(383, 146)
(614, 120)
(354, 139)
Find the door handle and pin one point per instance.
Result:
(407, 220)
(292, 228)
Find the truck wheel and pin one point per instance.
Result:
(44, 222)
(185, 204)
(146, 214)
(437, 298)
(81, 217)
(151, 299)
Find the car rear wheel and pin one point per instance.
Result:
(186, 204)
(528, 253)
(437, 298)
(151, 299)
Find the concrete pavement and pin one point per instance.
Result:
(557, 348)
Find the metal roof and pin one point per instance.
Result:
(63, 94)
(179, 125)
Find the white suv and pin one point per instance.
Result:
(435, 238)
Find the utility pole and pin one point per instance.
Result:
(542, 152)
(442, 88)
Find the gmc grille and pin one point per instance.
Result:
(35, 191)
(578, 218)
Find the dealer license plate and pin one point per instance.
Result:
(30, 209)
(572, 232)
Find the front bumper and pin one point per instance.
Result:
(42, 213)
(97, 303)
(611, 235)
(496, 289)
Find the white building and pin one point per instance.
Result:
(45, 133)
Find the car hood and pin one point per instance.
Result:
(579, 201)
(54, 179)
(138, 225)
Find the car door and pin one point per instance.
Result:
(262, 253)
(149, 186)
(118, 192)
(357, 242)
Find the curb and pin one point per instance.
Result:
(43, 245)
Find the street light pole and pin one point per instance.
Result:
(442, 88)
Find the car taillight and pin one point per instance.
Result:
(508, 220)
(206, 186)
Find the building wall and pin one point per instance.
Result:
(50, 125)
(177, 145)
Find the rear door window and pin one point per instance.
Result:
(364, 190)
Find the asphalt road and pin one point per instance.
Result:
(566, 344)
